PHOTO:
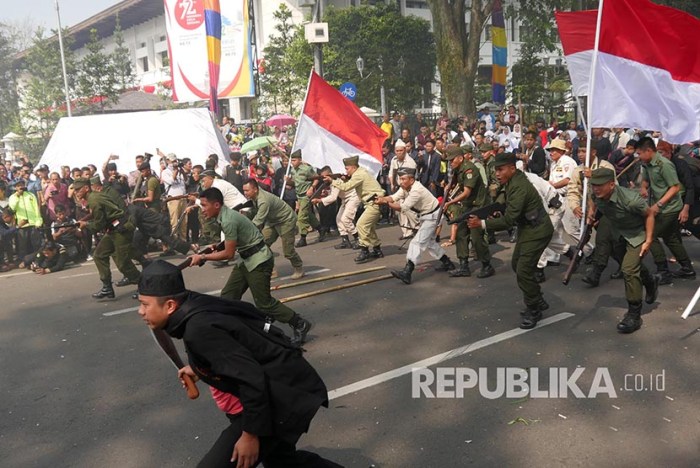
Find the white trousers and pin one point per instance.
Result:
(425, 239)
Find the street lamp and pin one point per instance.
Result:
(382, 95)
(360, 62)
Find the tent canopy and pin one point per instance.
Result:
(189, 133)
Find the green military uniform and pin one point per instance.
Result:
(151, 184)
(660, 174)
(366, 186)
(254, 269)
(303, 181)
(525, 210)
(108, 216)
(277, 219)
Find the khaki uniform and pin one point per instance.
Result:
(366, 186)
(350, 202)
(302, 177)
(275, 218)
(469, 175)
(407, 221)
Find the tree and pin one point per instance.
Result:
(9, 101)
(97, 75)
(458, 49)
(121, 60)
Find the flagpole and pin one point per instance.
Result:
(591, 91)
(294, 146)
(63, 61)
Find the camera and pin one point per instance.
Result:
(54, 192)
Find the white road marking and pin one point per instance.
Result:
(134, 309)
(438, 358)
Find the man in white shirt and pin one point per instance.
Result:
(174, 181)
(407, 222)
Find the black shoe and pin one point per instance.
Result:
(665, 277)
(301, 242)
(363, 256)
(486, 271)
(445, 264)
(491, 238)
(617, 274)
(405, 274)
(105, 293)
(592, 278)
(462, 270)
(539, 275)
(125, 282)
(542, 305)
(377, 252)
(686, 271)
(652, 290)
(344, 243)
(569, 254)
(530, 319)
(300, 331)
(354, 244)
(322, 233)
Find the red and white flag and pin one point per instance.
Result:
(648, 69)
(331, 128)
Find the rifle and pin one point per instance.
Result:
(66, 225)
(578, 252)
(332, 176)
(447, 193)
(482, 212)
(166, 343)
(242, 206)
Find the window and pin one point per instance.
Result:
(164, 61)
(144, 63)
(142, 45)
(162, 38)
(487, 32)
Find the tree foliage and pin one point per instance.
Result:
(121, 60)
(97, 75)
(9, 104)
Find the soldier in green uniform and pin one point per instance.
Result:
(662, 186)
(368, 189)
(148, 194)
(276, 219)
(253, 271)
(525, 210)
(472, 194)
(111, 193)
(304, 179)
(632, 224)
(107, 216)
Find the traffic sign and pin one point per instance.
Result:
(349, 90)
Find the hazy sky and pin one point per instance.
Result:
(43, 12)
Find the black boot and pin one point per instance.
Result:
(632, 321)
(300, 327)
(344, 243)
(405, 274)
(355, 243)
(592, 278)
(530, 318)
(539, 275)
(301, 242)
(687, 271)
(462, 269)
(125, 282)
(377, 252)
(322, 233)
(662, 270)
(486, 270)
(445, 264)
(491, 237)
(363, 256)
(651, 285)
(107, 292)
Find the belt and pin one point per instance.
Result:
(250, 251)
(426, 214)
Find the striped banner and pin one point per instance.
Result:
(212, 23)
(500, 53)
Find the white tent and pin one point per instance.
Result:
(369, 112)
(189, 133)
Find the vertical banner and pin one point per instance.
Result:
(500, 53)
(192, 68)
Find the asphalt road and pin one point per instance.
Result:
(84, 384)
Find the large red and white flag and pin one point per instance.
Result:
(331, 128)
(648, 68)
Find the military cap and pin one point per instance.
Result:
(602, 175)
(209, 173)
(95, 180)
(161, 279)
(409, 171)
(452, 152)
(80, 183)
(144, 165)
(503, 159)
(484, 147)
(296, 154)
(351, 161)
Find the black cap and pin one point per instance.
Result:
(161, 279)
(144, 165)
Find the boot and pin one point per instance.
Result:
(687, 271)
(486, 270)
(592, 278)
(125, 282)
(298, 273)
(377, 252)
(462, 269)
(344, 243)
(662, 270)
(301, 242)
(107, 292)
(301, 328)
(363, 256)
(632, 321)
(355, 243)
(322, 233)
(651, 285)
(539, 275)
(445, 264)
(491, 237)
(617, 274)
(530, 318)
(405, 274)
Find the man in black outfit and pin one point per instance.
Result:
(268, 391)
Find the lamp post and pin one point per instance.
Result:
(382, 96)
(63, 62)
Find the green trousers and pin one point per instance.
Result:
(531, 243)
(258, 280)
(306, 217)
(635, 273)
(286, 233)
(604, 243)
(367, 226)
(666, 227)
(118, 246)
(464, 234)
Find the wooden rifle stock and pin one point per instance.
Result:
(578, 252)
